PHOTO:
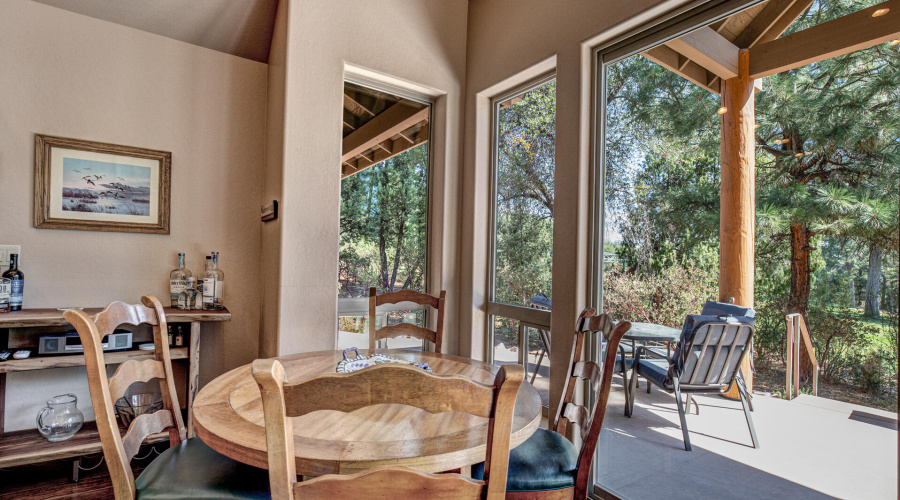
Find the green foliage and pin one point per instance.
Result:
(383, 217)
(524, 237)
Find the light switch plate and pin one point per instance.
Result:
(5, 251)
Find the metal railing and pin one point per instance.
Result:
(797, 331)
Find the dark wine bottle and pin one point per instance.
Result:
(17, 282)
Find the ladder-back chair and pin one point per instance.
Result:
(188, 468)
(435, 336)
(547, 465)
(385, 384)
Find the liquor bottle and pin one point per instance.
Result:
(178, 280)
(4, 295)
(213, 284)
(186, 297)
(179, 337)
(17, 283)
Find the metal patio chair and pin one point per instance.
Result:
(706, 360)
(543, 303)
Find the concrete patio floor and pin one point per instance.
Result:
(810, 448)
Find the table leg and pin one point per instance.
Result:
(193, 374)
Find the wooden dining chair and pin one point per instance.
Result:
(407, 329)
(188, 468)
(386, 384)
(547, 465)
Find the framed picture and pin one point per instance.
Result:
(93, 186)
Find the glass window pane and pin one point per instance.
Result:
(526, 134)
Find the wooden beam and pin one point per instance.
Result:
(385, 125)
(353, 106)
(841, 36)
(737, 226)
(384, 153)
(668, 58)
(708, 49)
(771, 21)
(784, 21)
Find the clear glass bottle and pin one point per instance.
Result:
(178, 280)
(197, 301)
(17, 283)
(213, 284)
(186, 297)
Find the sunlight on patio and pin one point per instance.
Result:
(809, 448)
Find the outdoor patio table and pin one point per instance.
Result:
(228, 417)
(651, 332)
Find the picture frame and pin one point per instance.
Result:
(96, 186)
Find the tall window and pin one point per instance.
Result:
(384, 203)
(521, 266)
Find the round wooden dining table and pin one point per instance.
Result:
(228, 417)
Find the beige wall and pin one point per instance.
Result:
(270, 242)
(415, 44)
(73, 76)
(507, 40)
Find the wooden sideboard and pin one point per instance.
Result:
(28, 446)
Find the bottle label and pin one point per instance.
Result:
(17, 289)
(177, 286)
(209, 290)
(4, 293)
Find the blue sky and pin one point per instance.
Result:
(74, 169)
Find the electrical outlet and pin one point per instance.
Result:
(5, 251)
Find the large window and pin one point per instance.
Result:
(522, 225)
(384, 203)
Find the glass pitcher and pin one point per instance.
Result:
(60, 419)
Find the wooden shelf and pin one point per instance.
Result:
(27, 318)
(67, 360)
(29, 447)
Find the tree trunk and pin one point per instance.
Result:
(800, 284)
(852, 291)
(873, 280)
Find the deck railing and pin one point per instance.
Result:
(796, 333)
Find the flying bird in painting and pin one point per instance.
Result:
(86, 168)
(98, 177)
(77, 171)
(88, 179)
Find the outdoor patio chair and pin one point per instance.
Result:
(547, 465)
(706, 360)
(543, 303)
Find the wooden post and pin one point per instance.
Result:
(737, 225)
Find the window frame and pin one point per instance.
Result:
(527, 317)
(359, 306)
(656, 32)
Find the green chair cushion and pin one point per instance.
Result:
(546, 461)
(194, 470)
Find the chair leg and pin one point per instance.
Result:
(625, 386)
(744, 402)
(684, 429)
(536, 368)
(739, 380)
(631, 391)
(688, 404)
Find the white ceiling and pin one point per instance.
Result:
(239, 27)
